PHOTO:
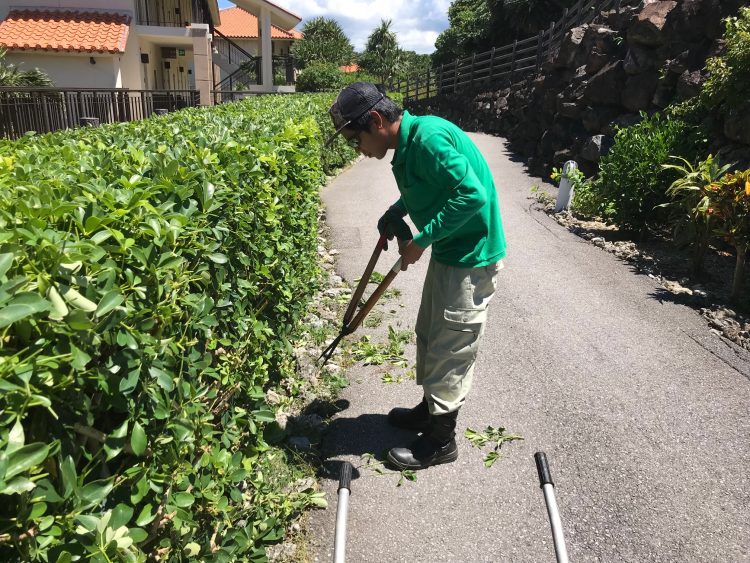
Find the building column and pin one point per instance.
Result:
(266, 49)
(203, 62)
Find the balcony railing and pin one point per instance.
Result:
(49, 109)
(172, 13)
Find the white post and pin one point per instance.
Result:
(266, 50)
(565, 191)
(202, 62)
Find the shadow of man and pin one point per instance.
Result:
(367, 434)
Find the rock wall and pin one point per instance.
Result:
(644, 57)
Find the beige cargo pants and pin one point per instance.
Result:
(449, 327)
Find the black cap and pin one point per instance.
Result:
(352, 103)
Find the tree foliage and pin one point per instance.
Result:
(382, 54)
(413, 64)
(479, 25)
(11, 75)
(727, 86)
(323, 42)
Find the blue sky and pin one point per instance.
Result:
(417, 23)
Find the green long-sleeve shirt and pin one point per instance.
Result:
(448, 191)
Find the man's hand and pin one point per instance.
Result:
(410, 252)
(392, 224)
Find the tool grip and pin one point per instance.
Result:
(542, 468)
(345, 476)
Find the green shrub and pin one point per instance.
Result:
(320, 77)
(631, 181)
(151, 277)
(727, 86)
(359, 76)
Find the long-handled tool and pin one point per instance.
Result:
(352, 322)
(548, 487)
(342, 510)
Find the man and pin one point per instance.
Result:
(447, 190)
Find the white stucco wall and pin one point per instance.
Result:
(72, 70)
(131, 67)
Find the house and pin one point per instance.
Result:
(134, 44)
(242, 28)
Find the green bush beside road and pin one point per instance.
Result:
(152, 275)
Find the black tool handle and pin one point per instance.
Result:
(345, 476)
(542, 467)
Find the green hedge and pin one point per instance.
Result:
(151, 276)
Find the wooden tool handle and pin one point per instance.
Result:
(377, 294)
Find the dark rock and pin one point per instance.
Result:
(736, 155)
(622, 19)
(601, 44)
(689, 84)
(606, 85)
(737, 125)
(664, 93)
(570, 55)
(596, 147)
(594, 119)
(639, 59)
(626, 120)
(569, 109)
(680, 63)
(648, 28)
(639, 90)
(562, 156)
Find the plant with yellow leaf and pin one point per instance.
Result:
(692, 213)
(709, 202)
(731, 208)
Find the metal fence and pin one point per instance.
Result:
(49, 109)
(510, 62)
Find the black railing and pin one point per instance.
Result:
(284, 70)
(249, 73)
(228, 49)
(510, 62)
(50, 109)
(172, 13)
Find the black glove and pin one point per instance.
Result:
(392, 224)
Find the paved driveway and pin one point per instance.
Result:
(642, 412)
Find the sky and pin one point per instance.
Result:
(417, 23)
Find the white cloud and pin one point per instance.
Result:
(417, 23)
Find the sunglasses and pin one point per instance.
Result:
(354, 141)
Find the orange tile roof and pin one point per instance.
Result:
(63, 30)
(349, 68)
(236, 22)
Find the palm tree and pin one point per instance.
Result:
(11, 75)
(382, 55)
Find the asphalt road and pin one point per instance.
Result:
(642, 412)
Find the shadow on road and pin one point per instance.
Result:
(366, 436)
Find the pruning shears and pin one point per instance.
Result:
(352, 322)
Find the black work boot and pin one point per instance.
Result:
(437, 445)
(417, 418)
